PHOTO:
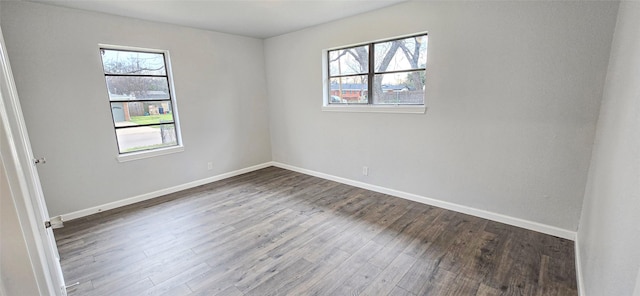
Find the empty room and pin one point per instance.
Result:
(290, 147)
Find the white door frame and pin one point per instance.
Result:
(29, 201)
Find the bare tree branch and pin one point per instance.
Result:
(143, 69)
(339, 56)
(415, 78)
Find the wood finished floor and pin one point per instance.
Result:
(277, 232)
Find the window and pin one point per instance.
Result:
(141, 99)
(393, 71)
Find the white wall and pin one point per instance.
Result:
(221, 95)
(513, 96)
(609, 232)
(513, 91)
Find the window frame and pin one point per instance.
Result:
(141, 154)
(369, 106)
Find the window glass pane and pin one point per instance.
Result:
(352, 89)
(131, 62)
(399, 55)
(137, 88)
(354, 60)
(146, 137)
(140, 113)
(399, 88)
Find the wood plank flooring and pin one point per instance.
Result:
(277, 232)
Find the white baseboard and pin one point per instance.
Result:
(158, 193)
(578, 258)
(535, 226)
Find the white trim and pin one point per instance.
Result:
(122, 157)
(390, 38)
(366, 108)
(25, 185)
(579, 276)
(158, 193)
(131, 48)
(535, 226)
(411, 109)
(149, 153)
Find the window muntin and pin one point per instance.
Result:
(137, 87)
(393, 71)
(142, 105)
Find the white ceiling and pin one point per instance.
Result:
(254, 18)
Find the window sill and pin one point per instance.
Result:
(150, 153)
(413, 109)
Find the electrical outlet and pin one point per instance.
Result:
(209, 165)
(365, 171)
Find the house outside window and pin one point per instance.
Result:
(142, 100)
(393, 71)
